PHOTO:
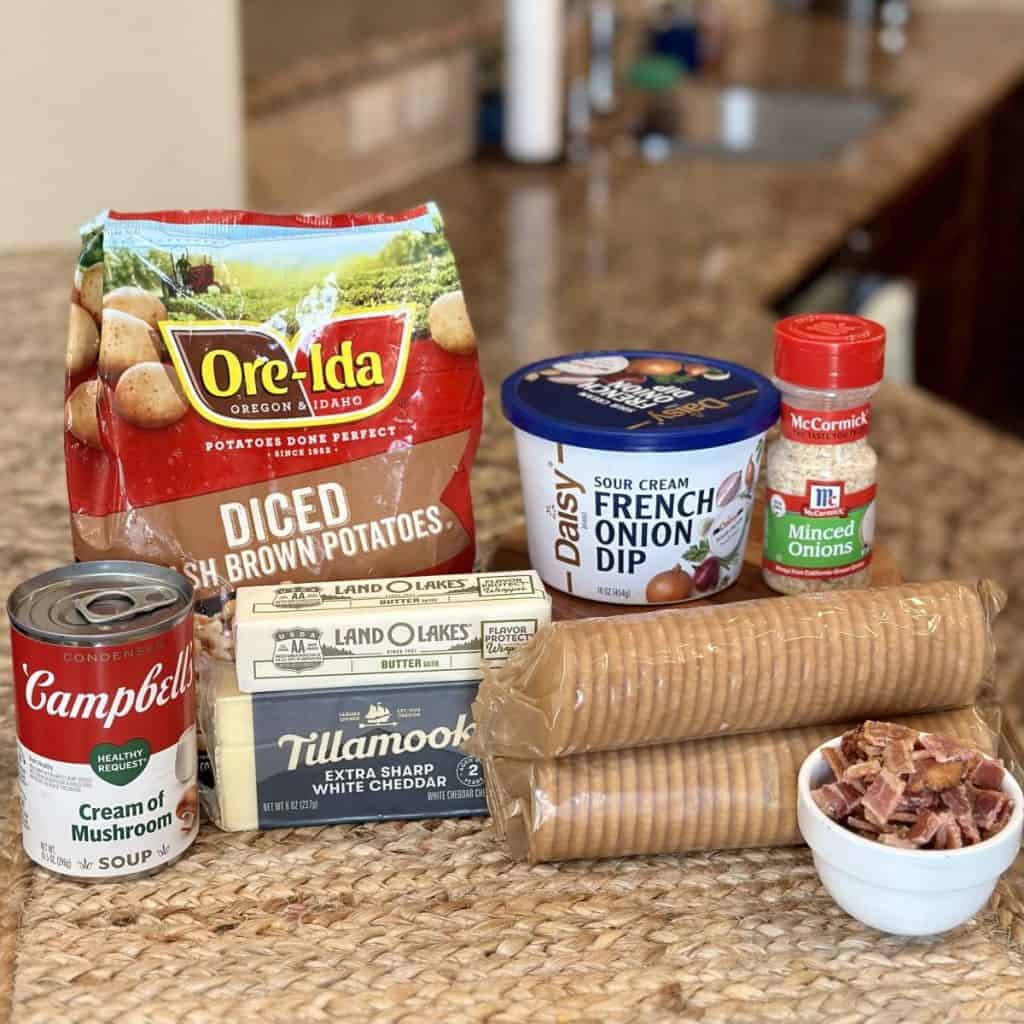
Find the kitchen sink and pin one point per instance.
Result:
(759, 122)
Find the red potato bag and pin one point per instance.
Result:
(255, 399)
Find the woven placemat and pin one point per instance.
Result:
(429, 921)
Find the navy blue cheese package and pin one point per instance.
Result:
(312, 757)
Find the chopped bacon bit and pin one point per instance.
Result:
(935, 775)
(1004, 816)
(959, 803)
(918, 801)
(903, 817)
(863, 770)
(987, 805)
(925, 827)
(988, 774)
(837, 799)
(836, 760)
(881, 734)
(945, 748)
(954, 839)
(913, 791)
(883, 797)
(898, 757)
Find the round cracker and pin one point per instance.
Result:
(724, 789)
(708, 700)
(575, 688)
(541, 824)
(575, 807)
(599, 798)
(786, 675)
(593, 696)
(662, 812)
(611, 774)
(741, 678)
(757, 703)
(965, 671)
(869, 670)
(645, 658)
(666, 679)
(921, 649)
(645, 793)
(751, 797)
(704, 795)
(627, 801)
(713, 693)
(675, 823)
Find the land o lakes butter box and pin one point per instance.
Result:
(384, 632)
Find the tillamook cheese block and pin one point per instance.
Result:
(312, 757)
(725, 793)
(615, 683)
(384, 632)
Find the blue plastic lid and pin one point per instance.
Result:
(638, 401)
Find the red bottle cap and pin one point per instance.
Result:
(829, 351)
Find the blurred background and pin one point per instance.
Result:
(864, 155)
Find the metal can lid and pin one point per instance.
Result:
(99, 603)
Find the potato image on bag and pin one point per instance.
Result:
(138, 302)
(83, 341)
(90, 289)
(81, 413)
(449, 323)
(148, 396)
(125, 340)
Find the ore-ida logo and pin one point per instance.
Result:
(250, 376)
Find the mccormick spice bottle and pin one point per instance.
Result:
(820, 513)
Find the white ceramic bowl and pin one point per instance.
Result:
(905, 892)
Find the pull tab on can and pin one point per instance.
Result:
(126, 602)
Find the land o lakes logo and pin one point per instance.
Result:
(298, 650)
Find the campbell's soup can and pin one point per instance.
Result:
(105, 701)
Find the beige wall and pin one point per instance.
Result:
(131, 104)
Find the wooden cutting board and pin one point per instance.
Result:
(511, 554)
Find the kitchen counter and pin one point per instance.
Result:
(388, 920)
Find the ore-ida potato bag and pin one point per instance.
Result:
(255, 399)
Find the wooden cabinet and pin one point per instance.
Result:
(957, 233)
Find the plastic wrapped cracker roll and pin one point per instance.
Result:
(724, 793)
(777, 663)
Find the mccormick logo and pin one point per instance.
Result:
(297, 650)
(252, 377)
(857, 421)
(824, 499)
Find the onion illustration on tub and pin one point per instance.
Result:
(638, 471)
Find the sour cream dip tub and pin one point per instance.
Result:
(638, 470)
(105, 703)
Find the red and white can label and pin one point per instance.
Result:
(814, 426)
(106, 752)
